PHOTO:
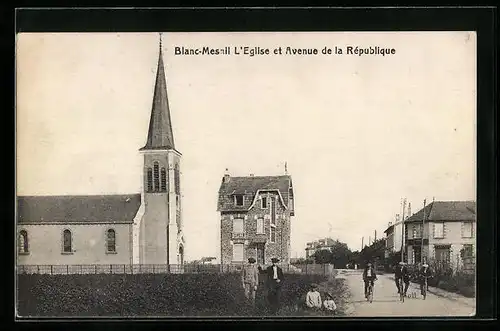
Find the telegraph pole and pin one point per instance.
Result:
(422, 239)
(403, 231)
(362, 243)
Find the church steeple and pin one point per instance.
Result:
(160, 135)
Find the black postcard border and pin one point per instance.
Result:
(479, 19)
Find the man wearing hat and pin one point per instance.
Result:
(274, 282)
(250, 280)
(424, 273)
(402, 273)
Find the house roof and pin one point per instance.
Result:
(446, 211)
(78, 209)
(160, 135)
(250, 185)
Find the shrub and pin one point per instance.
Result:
(149, 294)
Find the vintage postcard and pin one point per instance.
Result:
(318, 174)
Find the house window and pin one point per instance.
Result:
(417, 231)
(260, 226)
(238, 225)
(273, 211)
(439, 230)
(263, 203)
(272, 234)
(442, 254)
(67, 241)
(163, 180)
(150, 180)
(156, 176)
(238, 200)
(468, 251)
(467, 230)
(23, 242)
(238, 250)
(111, 241)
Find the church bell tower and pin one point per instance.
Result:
(161, 240)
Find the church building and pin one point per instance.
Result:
(137, 228)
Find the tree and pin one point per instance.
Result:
(323, 256)
(341, 254)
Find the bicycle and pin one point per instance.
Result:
(369, 295)
(401, 290)
(424, 289)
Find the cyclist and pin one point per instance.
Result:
(402, 273)
(425, 272)
(369, 276)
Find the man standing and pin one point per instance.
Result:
(274, 282)
(250, 280)
(401, 272)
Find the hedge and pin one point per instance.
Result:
(148, 294)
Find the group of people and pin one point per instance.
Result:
(250, 279)
(274, 281)
(401, 273)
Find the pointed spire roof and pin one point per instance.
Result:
(160, 135)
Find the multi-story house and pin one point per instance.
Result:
(255, 216)
(317, 245)
(393, 237)
(443, 231)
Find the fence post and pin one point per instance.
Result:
(154, 269)
(110, 268)
(67, 269)
(95, 269)
(124, 269)
(38, 269)
(81, 268)
(51, 272)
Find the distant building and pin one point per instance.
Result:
(255, 216)
(449, 228)
(393, 237)
(317, 245)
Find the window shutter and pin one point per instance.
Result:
(434, 230)
(472, 229)
(444, 229)
(462, 229)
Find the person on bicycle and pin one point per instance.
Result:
(401, 273)
(424, 273)
(369, 276)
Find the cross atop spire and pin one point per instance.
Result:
(160, 135)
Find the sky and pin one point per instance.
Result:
(358, 133)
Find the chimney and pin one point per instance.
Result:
(409, 209)
(251, 175)
(226, 176)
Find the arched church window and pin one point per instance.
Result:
(67, 241)
(177, 179)
(150, 180)
(111, 241)
(156, 176)
(23, 242)
(163, 180)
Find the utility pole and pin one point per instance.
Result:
(375, 238)
(403, 231)
(362, 243)
(422, 236)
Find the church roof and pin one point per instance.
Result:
(160, 135)
(446, 211)
(250, 186)
(78, 209)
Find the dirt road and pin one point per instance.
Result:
(386, 301)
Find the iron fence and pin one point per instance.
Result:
(318, 269)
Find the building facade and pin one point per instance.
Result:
(142, 228)
(393, 237)
(255, 215)
(317, 245)
(443, 231)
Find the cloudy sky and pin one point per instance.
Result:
(358, 132)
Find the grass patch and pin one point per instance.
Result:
(160, 295)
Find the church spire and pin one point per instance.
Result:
(160, 135)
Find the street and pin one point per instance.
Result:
(386, 300)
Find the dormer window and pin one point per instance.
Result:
(238, 200)
(263, 203)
